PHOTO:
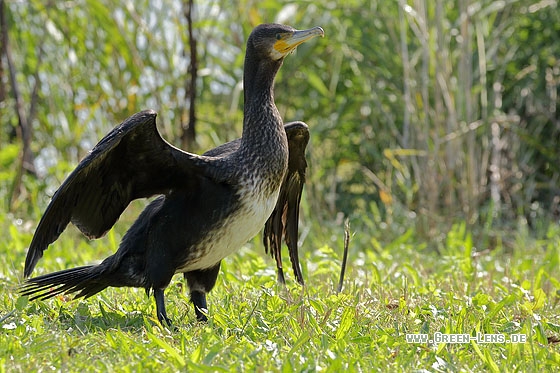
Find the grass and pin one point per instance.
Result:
(396, 284)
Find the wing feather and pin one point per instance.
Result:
(284, 220)
(131, 162)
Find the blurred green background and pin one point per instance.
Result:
(423, 114)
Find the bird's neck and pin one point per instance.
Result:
(264, 138)
(261, 119)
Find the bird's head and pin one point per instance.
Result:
(275, 41)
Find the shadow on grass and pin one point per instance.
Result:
(132, 322)
(107, 320)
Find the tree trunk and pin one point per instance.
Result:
(188, 136)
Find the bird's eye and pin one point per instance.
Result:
(278, 36)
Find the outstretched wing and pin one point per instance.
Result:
(132, 161)
(285, 216)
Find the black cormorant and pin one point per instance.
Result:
(210, 205)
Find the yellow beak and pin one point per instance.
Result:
(289, 41)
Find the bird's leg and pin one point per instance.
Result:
(160, 307)
(201, 282)
(198, 298)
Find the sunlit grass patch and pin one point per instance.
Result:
(395, 285)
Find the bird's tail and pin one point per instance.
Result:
(85, 280)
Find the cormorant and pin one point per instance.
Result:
(209, 205)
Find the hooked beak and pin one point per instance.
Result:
(288, 41)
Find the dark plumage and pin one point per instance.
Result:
(209, 206)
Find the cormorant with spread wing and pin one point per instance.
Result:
(210, 205)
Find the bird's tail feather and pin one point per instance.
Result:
(84, 280)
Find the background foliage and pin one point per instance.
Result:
(425, 116)
(445, 109)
